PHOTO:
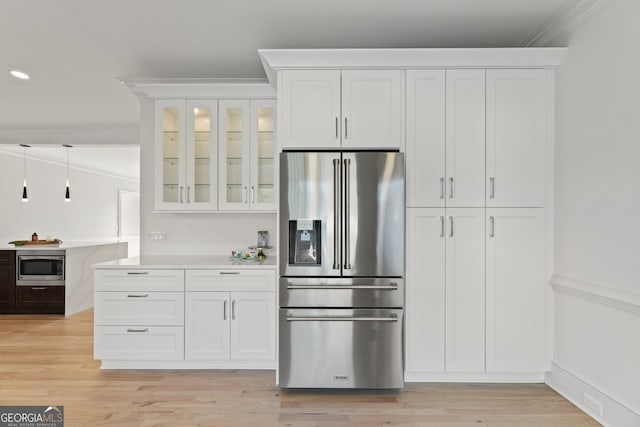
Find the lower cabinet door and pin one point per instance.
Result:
(253, 335)
(516, 286)
(40, 299)
(207, 325)
(139, 342)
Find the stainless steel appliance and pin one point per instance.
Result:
(342, 270)
(40, 268)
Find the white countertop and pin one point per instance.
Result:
(186, 261)
(62, 246)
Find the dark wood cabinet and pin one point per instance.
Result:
(26, 299)
(7, 281)
(40, 299)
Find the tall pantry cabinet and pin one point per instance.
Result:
(477, 142)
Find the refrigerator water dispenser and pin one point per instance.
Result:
(304, 242)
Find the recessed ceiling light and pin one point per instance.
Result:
(19, 74)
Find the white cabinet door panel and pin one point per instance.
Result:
(465, 290)
(253, 322)
(517, 133)
(465, 129)
(425, 314)
(309, 103)
(516, 290)
(425, 159)
(207, 326)
(372, 108)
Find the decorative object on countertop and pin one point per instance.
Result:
(24, 186)
(244, 255)
(52, 242)
(263, 239)
(34, 237)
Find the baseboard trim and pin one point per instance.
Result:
(596, 293)
(573, 388)
(474, 377)
(187, 364)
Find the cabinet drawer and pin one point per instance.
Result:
(139, 308)
(139, 280)
(230, 280)
(139, 342)
(40, 299)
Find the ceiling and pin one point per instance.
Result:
(75, 50)
(116, 161)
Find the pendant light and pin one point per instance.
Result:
(24, 186)
(67, 193)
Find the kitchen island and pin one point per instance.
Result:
(78, 275)
(185, 312)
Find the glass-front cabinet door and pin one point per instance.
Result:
(186, 155)
(234, 142)
(262, 190)
(247, 136)
(201, 192)
(170, 155)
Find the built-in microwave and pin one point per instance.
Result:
(40, 268)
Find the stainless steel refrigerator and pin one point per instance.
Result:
(342, 269)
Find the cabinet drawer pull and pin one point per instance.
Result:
(233, 310)
(181, 194)
(138, 330)
(451, 187)
(224, 310)
(451, 225)
(345, 128)
(229, 272)
(442, 226)
(337, 135)
(38, 289)
(138, 296)
(442, 187)
(188, 194)
(492, 187)
(138, 273)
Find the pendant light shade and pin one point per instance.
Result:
(67, 192)
(25, 197)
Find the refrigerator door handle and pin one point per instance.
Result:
(336, 213)
(347, 197)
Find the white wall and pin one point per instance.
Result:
(597, 217)
(190, 233)
(92, 213)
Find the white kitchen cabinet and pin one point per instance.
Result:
(445, 138)
(445, 290)
(139, 314)
(247, 169)
(207, 333)
(425, 300)
(516, 286)
(230, 315)
(358, 109)
(186, 155)
(519, 109)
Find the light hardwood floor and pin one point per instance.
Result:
(48, 360)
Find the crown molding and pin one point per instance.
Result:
(199, 88)
(568, 23)
(72, 135)
(274, 60)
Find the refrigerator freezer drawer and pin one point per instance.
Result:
(341, 348)
(341, 292)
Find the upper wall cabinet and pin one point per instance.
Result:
(324, 109)
(518, 128)
(247, 173)
(186, 155)
(445, 138)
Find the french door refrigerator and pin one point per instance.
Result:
(341, 269)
